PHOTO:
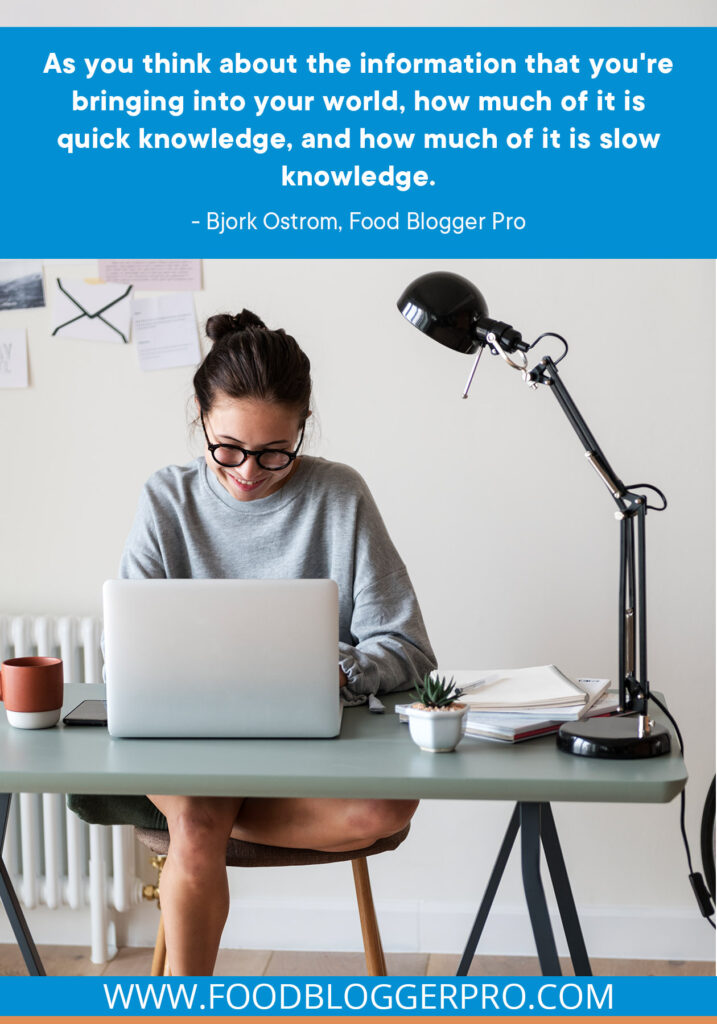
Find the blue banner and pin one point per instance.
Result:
(329, 142)
(362, 997)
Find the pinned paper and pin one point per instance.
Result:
(13, 358)
(21, 284)
(154, 275)
(165, 332)
(90, 312)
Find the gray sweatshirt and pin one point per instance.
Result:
(322, 524)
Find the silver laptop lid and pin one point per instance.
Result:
(234, 658)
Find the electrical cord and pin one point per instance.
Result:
(704, 893)
(707, 838)
(649, 487)
(697, 882)
(552, 334)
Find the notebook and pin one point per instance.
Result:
(543, 686)
(222, 658)
(514, 728)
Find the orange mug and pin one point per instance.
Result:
(31, 689)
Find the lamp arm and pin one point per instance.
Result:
(546, 372)
(632, 510)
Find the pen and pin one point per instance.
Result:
(477, 683)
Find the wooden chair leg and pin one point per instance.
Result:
(375, 960)
(159, 956)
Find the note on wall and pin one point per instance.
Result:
(154, 275)
(13, 358)
(21, 284)
(165, 332)
(90, 312)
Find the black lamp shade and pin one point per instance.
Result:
(447, 308)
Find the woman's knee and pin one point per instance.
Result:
(199, 827)
(377, 819)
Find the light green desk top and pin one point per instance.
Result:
(373, 757)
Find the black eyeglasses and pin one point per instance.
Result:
(234, 455)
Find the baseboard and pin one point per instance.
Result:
(439, 927)
(643, 933)
(421, 926)
(61, 927)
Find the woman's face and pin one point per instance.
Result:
(255, 425)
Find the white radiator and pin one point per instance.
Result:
(54, 859)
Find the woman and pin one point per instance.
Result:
(252, 507)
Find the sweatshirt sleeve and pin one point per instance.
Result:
(142, 556)
(392, 650)
(389, 648)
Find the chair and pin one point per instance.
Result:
(254, 855)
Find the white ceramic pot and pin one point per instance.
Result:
(437, 730)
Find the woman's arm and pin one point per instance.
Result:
(142, 557)
(388, 647)
(392, 650)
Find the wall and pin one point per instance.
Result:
(366, 12)
(509, 537)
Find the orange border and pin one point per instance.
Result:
(289, 1019)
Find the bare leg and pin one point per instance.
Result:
(332, 825)
(194, 892)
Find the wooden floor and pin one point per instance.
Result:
(75, 961)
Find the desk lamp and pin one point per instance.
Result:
(452, 311)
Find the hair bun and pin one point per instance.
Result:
(224, 324)
(247, 319)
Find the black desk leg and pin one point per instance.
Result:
(11, 903)
(563, 893)
(489, 895)
(530, 824)
(536, 824)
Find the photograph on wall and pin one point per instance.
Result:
(21, 285)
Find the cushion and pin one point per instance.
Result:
(256, 855)
(117, 810)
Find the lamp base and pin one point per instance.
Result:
(615, 738)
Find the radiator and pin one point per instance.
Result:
(55, 860)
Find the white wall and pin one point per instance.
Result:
(365, 12)
(509, 536)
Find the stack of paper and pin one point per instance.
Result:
(518, 704)
(527, 690)
(513, 727)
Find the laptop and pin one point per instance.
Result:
(222, 658)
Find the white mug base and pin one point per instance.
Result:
(33, 719)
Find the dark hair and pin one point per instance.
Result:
(247, 360)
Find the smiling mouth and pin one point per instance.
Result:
(246, 485)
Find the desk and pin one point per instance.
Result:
(374, 757)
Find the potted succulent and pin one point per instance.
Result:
(437, 719)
